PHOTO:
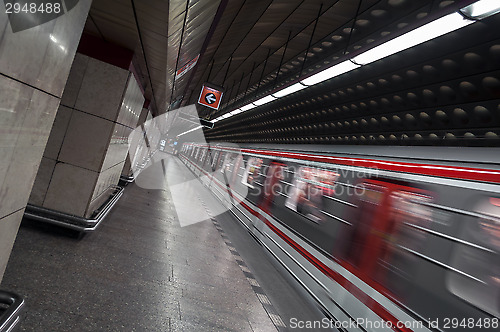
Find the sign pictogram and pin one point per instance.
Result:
(210, 97)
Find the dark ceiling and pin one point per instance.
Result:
(251, 48)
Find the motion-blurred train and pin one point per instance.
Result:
(383, 238)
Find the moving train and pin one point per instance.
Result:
(382, 238)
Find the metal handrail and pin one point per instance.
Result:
(127, 179)
(71, 221)
(11, 316)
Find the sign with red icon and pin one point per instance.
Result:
(210, 97)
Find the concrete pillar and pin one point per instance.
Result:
(87, 147)
(34, 67)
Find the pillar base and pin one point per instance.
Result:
(10, 316)
(71, 221)
(127, 179)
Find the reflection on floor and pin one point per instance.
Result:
(141, 271)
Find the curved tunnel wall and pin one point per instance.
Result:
(443, 92)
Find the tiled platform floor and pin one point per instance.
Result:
(141, 271)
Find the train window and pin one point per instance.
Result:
(388, 229)
(209, 159)
(404, 236)
(206, 158)
(310, 185)
(363, 228)
(252, 171)
(226, 163)
(220, 162)
(477, 279)
(275, 173)
(215, 159)
(236, 168)
(202, 155)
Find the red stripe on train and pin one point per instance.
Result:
(461, 173)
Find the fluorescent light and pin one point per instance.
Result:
(248, 107)
(331, 72)
(264, 100)
(230, 114)
(291, 89)
(431, 30)
(482, 9)
(420, 35)
(195, 128)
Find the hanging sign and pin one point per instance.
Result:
(210, 97)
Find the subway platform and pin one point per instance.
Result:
(141, 271)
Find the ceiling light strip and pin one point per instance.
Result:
(429, 31)
(439, 27)
(186, 132)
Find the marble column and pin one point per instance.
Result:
(127, 171)
(88, 144)
(34, 67)
(145, 142)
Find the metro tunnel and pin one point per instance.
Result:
(264, 165)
